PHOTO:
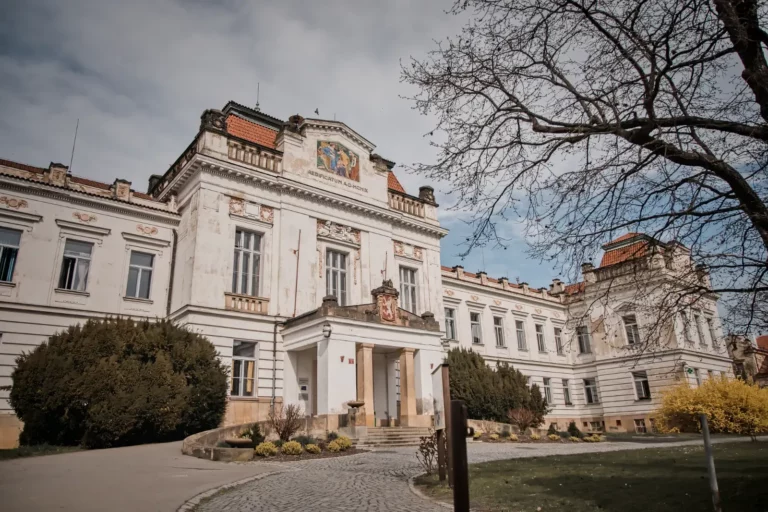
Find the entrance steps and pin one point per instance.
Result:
(381, 437)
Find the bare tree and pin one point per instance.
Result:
(592, 118)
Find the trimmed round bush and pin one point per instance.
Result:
(494, 437)
(117, 382)
(266, 449)
(575, 439)
(312, 448)
(477, 434)
(292, 448)
(334, 446)
(513, 437)
(553, 437)
(535, 437)
(345, 443)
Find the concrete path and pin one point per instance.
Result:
(146, 478)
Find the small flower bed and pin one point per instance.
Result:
(266, 450)
(534, 437)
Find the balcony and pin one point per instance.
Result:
(254, 156)
(246, 303)
(406, 204)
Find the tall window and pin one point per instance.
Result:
(711, 329)
(245, 271)
(450, 323)
(474, 325)
(585, 346)
(408, 289)
(498, 327)
(590, 391)
(540, 338)
(567, 392)
(243, 368)
(548, 390)
(711, 374)
(642, 388)
(686, 327)
(336, 276)
(9, 250)
(520, 331)
(75, 265)
(697, 376)
(699, 330)
(559, 341)
(640, 427)
(139, 275)
(630, 326)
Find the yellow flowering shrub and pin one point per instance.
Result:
(334, 446)
(266, 450)
(312, 448)
(345, 443)
(513, 437)
(292, 448)
(575, 439)
(732, 406)
(477, 434)
(535, 437)
(553, 437)
(494, 437)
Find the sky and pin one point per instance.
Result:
(138, 75)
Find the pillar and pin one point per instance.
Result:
(365, 381)
(407, 389)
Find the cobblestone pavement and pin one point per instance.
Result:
(374, 481)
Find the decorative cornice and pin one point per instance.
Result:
(83, 228)
(340, 127)
(20, 218)
(145, 240)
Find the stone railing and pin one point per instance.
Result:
(246, 303)
(406, 204)
(254, 156)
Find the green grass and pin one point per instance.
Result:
(651, 480)
(33, 451)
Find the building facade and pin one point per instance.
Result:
(295, 250)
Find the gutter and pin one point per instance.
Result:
(175, 239)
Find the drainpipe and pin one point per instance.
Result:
(175, 239)
(274, 363)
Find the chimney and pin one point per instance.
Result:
(57, 174)
(483, 277)
(427, 194)
(556, 287)
(525, 286)
(588, 272)
(121, 189)
(459, 271)
(154, 180)
(504, 283)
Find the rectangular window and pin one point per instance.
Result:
(642, 388)
(595, 426)
(243, 369)
(336, 276)
(450, 323)
(408, 289)
(697, 376)
(712, 333)
(498, 327)
(540, 338)
(582, 334)
(139, 275)
(548, 390)
(246, 269)
(559, 341)
(520, 330)
(711, 374)
(590, 391)
(474, 325)
(75, 265)
(640, 426)
(699, 330)
(630, 327)
(10, 239)
(567, 392)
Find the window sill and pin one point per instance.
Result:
(7, 284)
(560, 354)
(569, 404)
(139, 299)
(503, 347)
(522, 349)
(543, 352)
(450, 340)
(593, 403)
(72, 292)
(478, 344)
(238, 398)
(644, 399)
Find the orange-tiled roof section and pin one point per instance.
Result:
(23, 167)
(393, 183)
(571, 289)
(251, 132)
(633, 250)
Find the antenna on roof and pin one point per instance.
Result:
(72, 156)
(258, 90)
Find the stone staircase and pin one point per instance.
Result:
(389, 437)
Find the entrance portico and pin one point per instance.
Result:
(377, 354)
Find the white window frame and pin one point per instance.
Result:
(558, 331)
(631, 329)
(591, 395)
(699, 330)
(8, 247)
(547, 385)
(567, 392)
(77, 258)
(242, 381)
(540, 341)
(450, 324)
(583, 337)
(640, 427)
(253, 272)
(712, 332)
(476, 328)
(141, 269)
(498, 329)
(336, 275)
(642, 392)
(409, 289)
(520, 333)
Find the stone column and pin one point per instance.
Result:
(365, 381)
(407, 389)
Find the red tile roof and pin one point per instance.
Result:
(251, 132)
(762, 342)
(622, 238)
(23, 167)
(393, 183)
(625, 253)
(572, 289)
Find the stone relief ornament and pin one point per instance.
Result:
(267, 214)
(319, 263)
(537, 310)
(330, 229)
(497, 302)
(12, 202)
(387, 306)
(236, 206)
(84, 217)
(518, 307)
(474, 297)
(557, 315)
(146, 230)
(407, 250)
(449, 293)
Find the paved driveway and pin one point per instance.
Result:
(155, 477)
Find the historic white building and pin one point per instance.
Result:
(293, 247)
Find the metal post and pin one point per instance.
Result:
(459, 456)
(440, 438)
(447, 432)
(717, 506)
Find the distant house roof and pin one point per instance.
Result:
(393, 183)
(250, 131)
(627, 247)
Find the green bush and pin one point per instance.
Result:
(573, 430)
(253, 433)
(491, 393)
(118, 382)
(312, 448)
(332, 436)
(305, 440)
(551, 430)
(334, 446)
(292, 448)
(345, 443)
(266, 450)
